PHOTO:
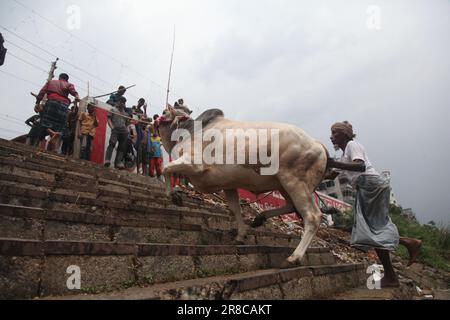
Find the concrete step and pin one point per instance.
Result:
(45, 224)
(25, 157)
(20, 147)
(68, 206)
(31, 158)
(302, 283)
(31, 173)
(30, 268)
(108, 205)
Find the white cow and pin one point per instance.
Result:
(302, 165)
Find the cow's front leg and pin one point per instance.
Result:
(168, 173)
(167, 178)
(171, 193)
(235, 206)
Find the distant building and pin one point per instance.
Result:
(387, 175)
(339, 188)
(410, 215)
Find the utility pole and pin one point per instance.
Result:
(51, 75)
(170, 69)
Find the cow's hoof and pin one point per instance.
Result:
(286, 264)
(259, 221)
(177, 198)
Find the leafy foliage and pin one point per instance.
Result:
(435, 251)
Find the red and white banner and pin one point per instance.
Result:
(276, 200)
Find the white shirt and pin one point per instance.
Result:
(355, 151)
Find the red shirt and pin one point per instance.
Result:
(58, 90)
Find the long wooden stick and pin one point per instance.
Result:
(108, 94)
(170, 69)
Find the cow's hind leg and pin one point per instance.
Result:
(235, 206)
(261, 218)
(304, 201)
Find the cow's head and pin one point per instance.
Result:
(173, 116)
(168, 116)
(169, 121)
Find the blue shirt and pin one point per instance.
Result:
(155, 147)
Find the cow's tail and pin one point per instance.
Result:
(327, 168)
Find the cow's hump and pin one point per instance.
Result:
(209, 116)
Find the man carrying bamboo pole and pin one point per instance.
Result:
(54, 112)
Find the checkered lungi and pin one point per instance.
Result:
(54, 116)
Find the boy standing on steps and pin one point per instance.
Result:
(88, 126)
(155, 155)
(142, 148)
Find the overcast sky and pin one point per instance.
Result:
(382, 65)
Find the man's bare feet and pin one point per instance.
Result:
(413, 246)
(389, 283)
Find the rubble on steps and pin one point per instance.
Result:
(416, 282)
(337, 240)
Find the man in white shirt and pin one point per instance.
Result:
(373, 227)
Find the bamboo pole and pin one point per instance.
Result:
(170, 69)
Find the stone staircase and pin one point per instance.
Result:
(131, 242)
